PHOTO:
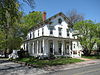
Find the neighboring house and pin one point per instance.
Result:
(52, 36)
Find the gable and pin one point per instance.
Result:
(51, 19)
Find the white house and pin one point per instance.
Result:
(52, 36)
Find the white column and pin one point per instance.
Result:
(62, 47)
(33, 48)
(72, 54)
(43, 46)
(37, 46)
(28, 47)
(70, 51)
(53, 46)
(40, 46)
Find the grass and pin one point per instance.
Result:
(3, 58)
(54, 62)
(92, 57)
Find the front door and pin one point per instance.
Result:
(51, 47)
(60, 47)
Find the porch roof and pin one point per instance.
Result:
(53, 37)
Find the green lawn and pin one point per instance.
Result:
(54, 62)
(92, 57)
(3, 58)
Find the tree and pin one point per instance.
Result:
(30, 20)
(74, 16)
(87, 31)
(98, 36)
(9, 19)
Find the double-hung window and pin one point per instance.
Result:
(42, 31)
(51, 31)
(30, 35)
(38, 32)
(60, 31)
(67, 32)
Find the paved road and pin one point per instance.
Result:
(10, 68)
(87, 70)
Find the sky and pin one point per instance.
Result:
(89, 8)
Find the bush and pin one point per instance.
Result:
(51, 56)
(23, 54)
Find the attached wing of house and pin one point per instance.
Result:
(52, 36)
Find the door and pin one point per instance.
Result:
(60, 47)
(51, 47)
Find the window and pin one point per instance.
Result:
(74, 45)
(24, 46)
(51, 31)
(30, 35)
(33, 35)
(67, 49)
(38, 32)
(59, 20)
(42, 31)
(67, 32)
(51, 46)
(27, 46)
(60, 31)
(41, 46)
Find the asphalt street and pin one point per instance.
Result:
(87, 70)
(83, 68)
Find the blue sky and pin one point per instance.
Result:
(89, 8)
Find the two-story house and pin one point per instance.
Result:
(52, 36)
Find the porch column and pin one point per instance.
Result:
(33, 48)
(69, 52)
(40, 46)
(43, 45)
(37, 46)
(62, 53)
(29, 47)
(53, 46)
(72, 54)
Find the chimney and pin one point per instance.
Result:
(44, 16)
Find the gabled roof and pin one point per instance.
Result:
(47, 21)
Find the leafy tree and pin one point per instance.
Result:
(29, 21)
(9, 20)
(87, 31)
(98, 36)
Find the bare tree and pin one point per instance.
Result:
(74, 16)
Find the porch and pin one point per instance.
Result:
(47, 45)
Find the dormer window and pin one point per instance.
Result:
(50, 23)
(59, 20)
